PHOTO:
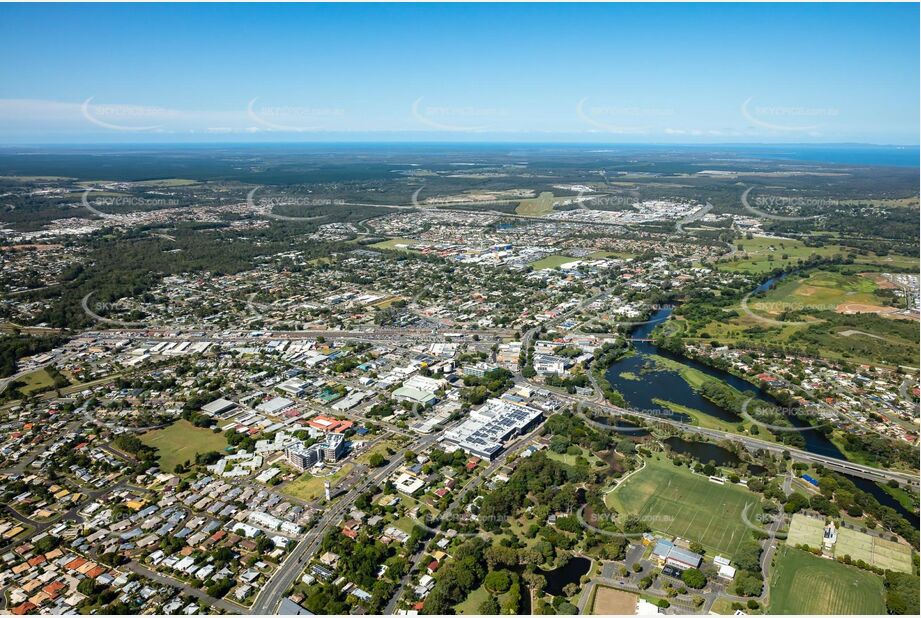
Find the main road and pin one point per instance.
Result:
(274, 590)
(840, 465)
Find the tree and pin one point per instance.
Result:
(376, 460)
(694, 578)
(489, 607)
(498, 581)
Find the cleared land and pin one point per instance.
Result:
(398, 244)
(837, 313)
(806, 584)
(674, 501)
(610, 601)
(536, 206)
(805, 531)
(308, 487)
(181, 442)
(873, 550)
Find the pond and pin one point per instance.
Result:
(621, 426)
(569, 573)
(706, 452)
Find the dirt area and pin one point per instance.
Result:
(609, 601)
(861, 308)
(880, 280)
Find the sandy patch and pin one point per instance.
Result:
(610, 601)
(805, 290)
(861, 308)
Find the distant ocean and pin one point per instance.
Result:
(858, 154)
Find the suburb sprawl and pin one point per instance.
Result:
(457, 380)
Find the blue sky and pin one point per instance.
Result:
(597, 73)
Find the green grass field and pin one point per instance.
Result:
(805, 531)
(806, 584)
(674, 501)
(182, 441)
(552, 261)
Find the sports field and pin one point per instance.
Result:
(181, 442)
(397, 244)
(873, 550)
(552, 261)
(806, 584)
(674, 501)
(805, 531)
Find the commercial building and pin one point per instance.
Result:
(414, 396)
(331, 449)
(487, 429)
(667, 553)
(478, 370)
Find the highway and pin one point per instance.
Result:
(868, 472)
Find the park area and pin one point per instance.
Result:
(806, 584)
(181, 442)
(674, 501)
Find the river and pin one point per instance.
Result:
(658, 383)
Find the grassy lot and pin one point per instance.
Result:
(570, 460)
(826, 297)
(392, 243)
(471, 605)
(182, 441)
(308, 487)
(38, 380)
(380, 447)
(536, 206)
(674, 501)
(606, 254)
(761, 255)
(552, 261)
(806, 584)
